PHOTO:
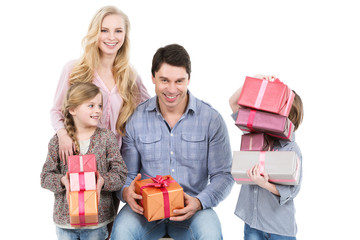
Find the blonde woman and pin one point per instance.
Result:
(105, 62)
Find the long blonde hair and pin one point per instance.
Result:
(77, 94)
(124, 75)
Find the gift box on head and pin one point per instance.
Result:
(82, 163)
(83, 208)
(249, 120)
(160, 196)
(265, 95)
(283, 167)
(256, 142)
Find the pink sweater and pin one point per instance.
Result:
(112, 101)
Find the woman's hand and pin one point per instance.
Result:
(66, 145)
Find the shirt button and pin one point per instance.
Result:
(173, 170)
(171, 134)
(171, 152)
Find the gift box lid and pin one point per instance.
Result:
(82, 163)
(265, 95)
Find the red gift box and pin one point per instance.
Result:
(278, 126)
(268, 96)
(255, 142)
(82, 163)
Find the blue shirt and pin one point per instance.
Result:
(194, 152)
(264, 211)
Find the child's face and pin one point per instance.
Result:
(88, 114)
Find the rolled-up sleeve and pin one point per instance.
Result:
(290, 192)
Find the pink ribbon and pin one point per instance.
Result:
(250, 121)
(160, 182)
(82, 181)
(261, 93)
(81, 208)
(262, 162)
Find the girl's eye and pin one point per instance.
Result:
(91, 105)
(119, 31)
(103, 30)
(100, 106)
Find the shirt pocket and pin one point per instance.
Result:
(193, 147)
(150, 147)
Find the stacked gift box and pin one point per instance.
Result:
(263, 116)
(83, 208)
(160, 196)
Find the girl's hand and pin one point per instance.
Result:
(66, 182)
(66, 145)
(99, 184)
(260, 179)
(270, 78)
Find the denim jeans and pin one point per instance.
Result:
(86, 234)
(203, 224)
(254, 234)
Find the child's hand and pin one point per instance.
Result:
(260, 179)
(99, 184)
(66, 182)
(270, 78)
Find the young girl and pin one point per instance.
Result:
(82, 110)
(267, 208)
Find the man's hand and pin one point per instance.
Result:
(66, 145)
(130, 196)
(192, 205)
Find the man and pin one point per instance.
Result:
(175, 133)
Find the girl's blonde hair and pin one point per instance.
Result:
(296, 114)
(124, 75)
(77, 94)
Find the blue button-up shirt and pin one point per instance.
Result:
(264, 211)
(194, 152)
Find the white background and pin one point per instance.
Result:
(312, 46)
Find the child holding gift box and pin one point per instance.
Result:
(267, 208)
(82, 110)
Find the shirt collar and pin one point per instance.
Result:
(153, 106)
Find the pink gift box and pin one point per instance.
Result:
(255, 142)
(82, 181)
(82, 163)
(249, 120)
(268, 96)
